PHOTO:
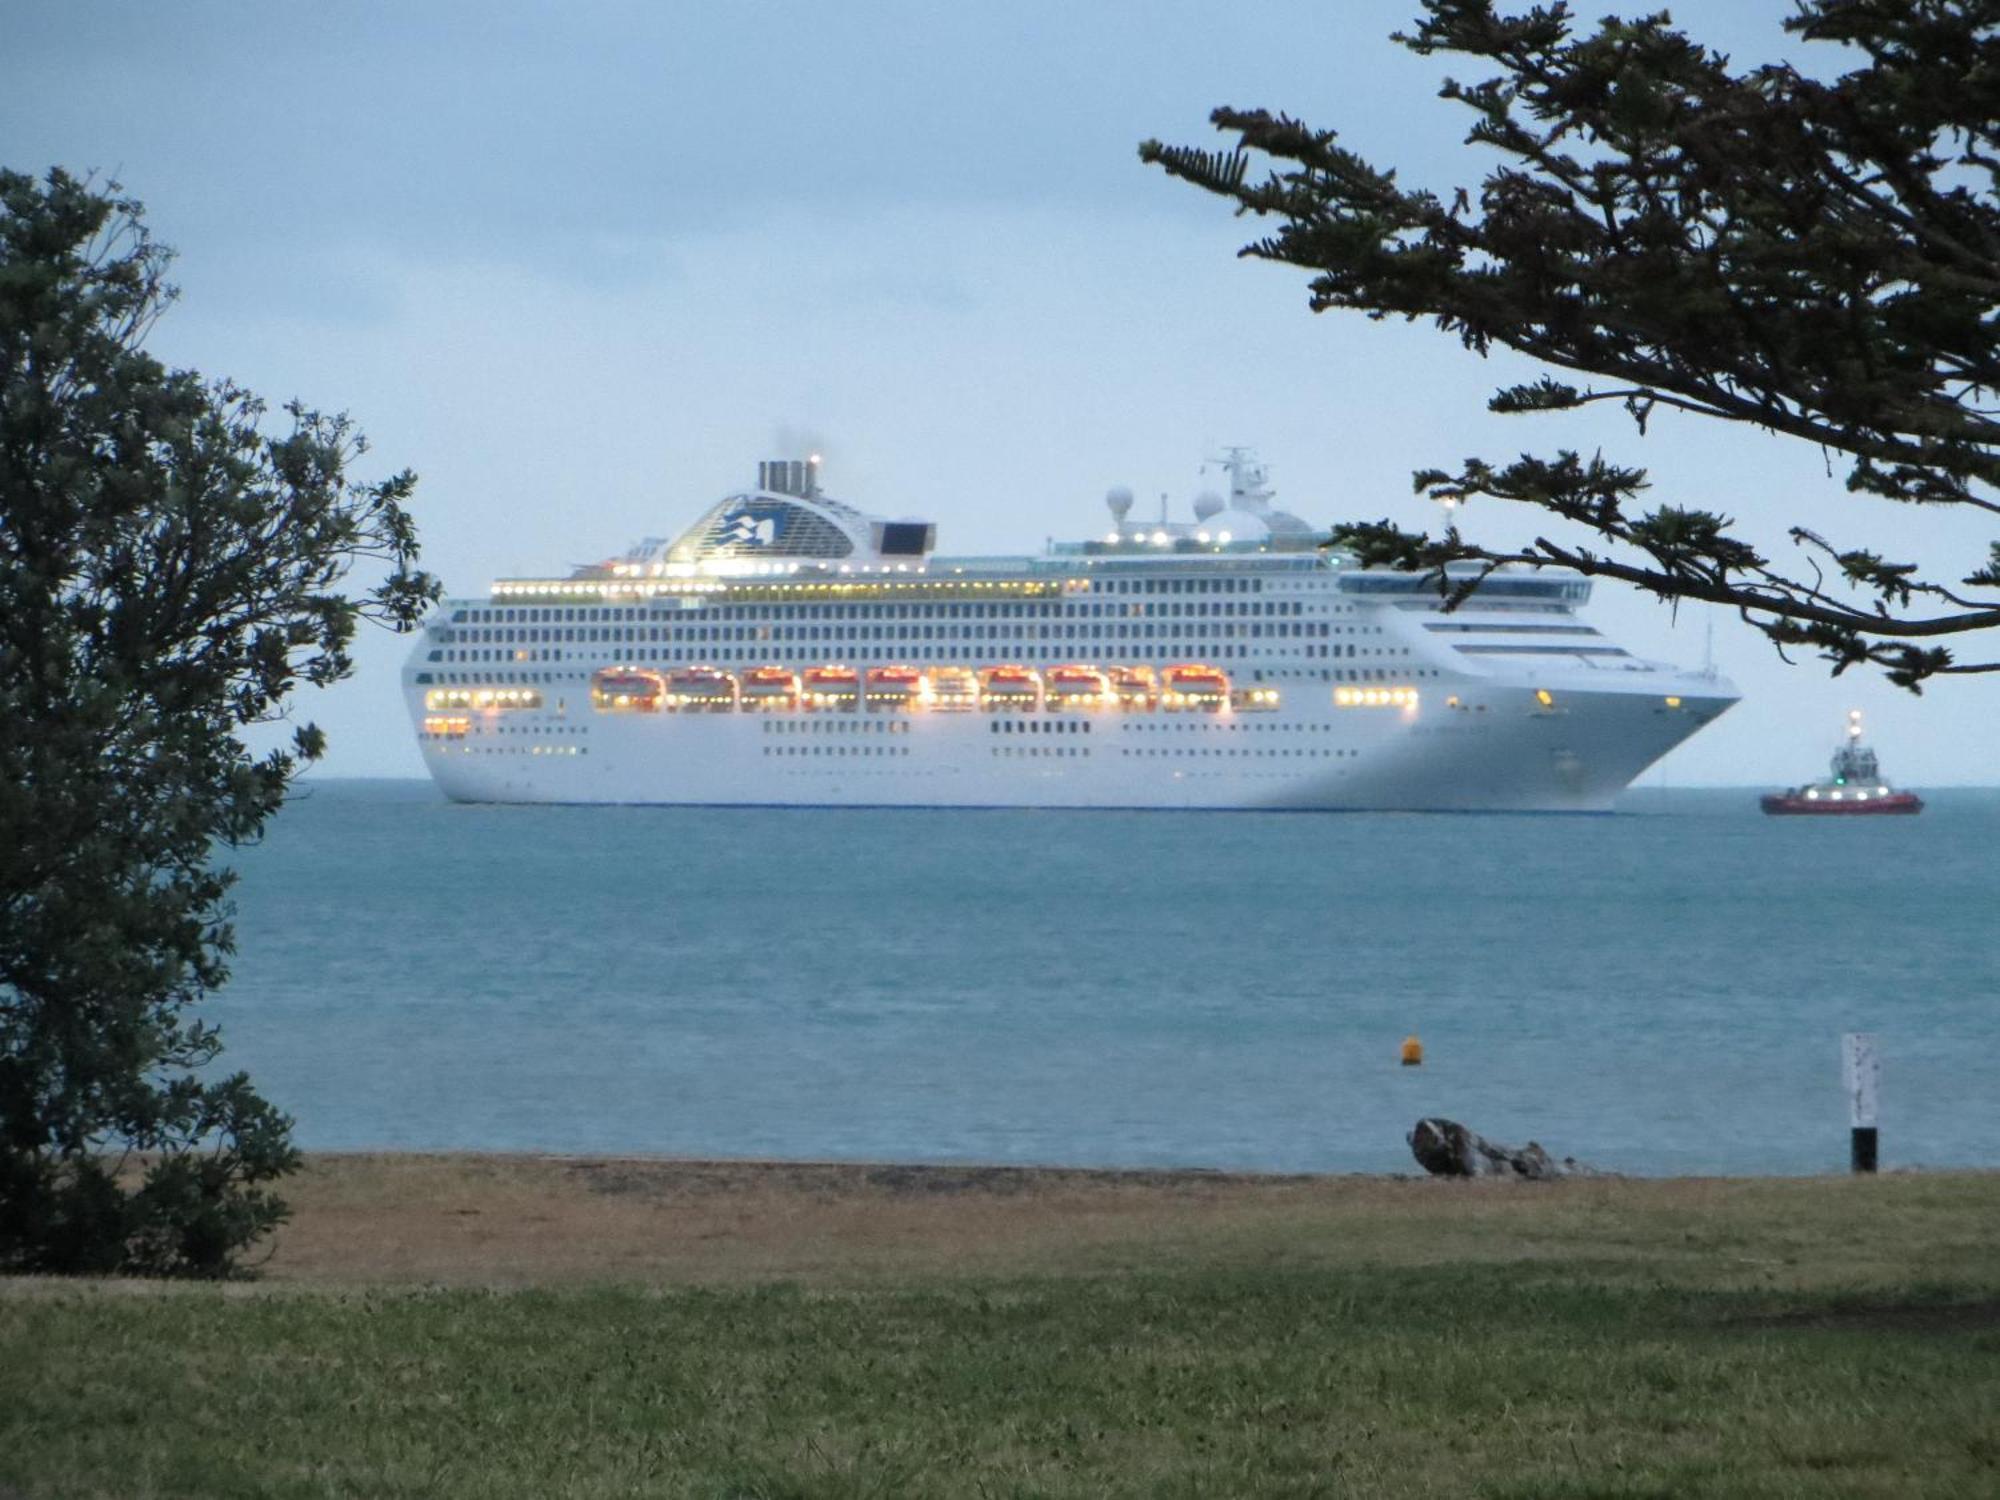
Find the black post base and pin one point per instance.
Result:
(1864, 1148)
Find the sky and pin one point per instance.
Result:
(582, 266)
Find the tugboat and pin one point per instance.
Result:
(1855, 789)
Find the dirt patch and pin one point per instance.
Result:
(678, 1180)
(496, 1220)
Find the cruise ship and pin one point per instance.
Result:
(789, 649)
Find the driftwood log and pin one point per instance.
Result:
(1445, 1148)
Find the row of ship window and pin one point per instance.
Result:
(774, 725)
(588, 614)
(1077, 751)
(1309, 751)
(1165, 640)
(1000, 724)
(1167, 623)
(747, 655)
(571, 626)
(870, 748)
(1354, 674)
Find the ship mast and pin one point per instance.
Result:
(1854, 761)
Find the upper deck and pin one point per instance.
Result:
(788, 542)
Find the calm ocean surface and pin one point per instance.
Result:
(1659, 991)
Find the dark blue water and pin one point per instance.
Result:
(1659, 991)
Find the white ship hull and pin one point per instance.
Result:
(1347, 690)
(1520, 762)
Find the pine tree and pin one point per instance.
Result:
(1818, 259)
(168, 575)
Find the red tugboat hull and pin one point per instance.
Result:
(1778, 804)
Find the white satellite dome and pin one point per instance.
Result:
(1207, 504)
(1119, 499)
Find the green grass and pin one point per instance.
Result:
(1530, 1381)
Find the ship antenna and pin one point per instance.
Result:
(1708, 645)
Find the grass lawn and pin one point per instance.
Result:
(482, 1327)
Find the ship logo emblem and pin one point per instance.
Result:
(745, 527)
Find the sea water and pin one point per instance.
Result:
(1657, 991)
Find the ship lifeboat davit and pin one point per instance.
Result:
(1195, 687)
(954, 690)
(832, 688)
(1010, 689)
(627, 690)
(1079, 687)
(1137, 688)
(770, 689)
(894, 687)
(701, 690)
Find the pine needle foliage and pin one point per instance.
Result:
(1819, 259)
(169, 573)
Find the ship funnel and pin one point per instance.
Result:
(788, 476)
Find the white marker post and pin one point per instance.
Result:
(1862, 1065)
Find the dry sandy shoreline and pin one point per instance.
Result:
(517, 1220)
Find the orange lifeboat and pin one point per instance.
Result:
(1137, 689)
(832, 688)
(1195, 687)
(626, 690)
(770, 689)
(1079, 687)
(894, 687)
(1010, 689)
(701, 690)
(954, 690)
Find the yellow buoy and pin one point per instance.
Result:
(1413, 1052)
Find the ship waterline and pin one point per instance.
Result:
(790, 650)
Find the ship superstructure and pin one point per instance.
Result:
(790, 649)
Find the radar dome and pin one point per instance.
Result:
(1207, 504)
(1119, 498)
